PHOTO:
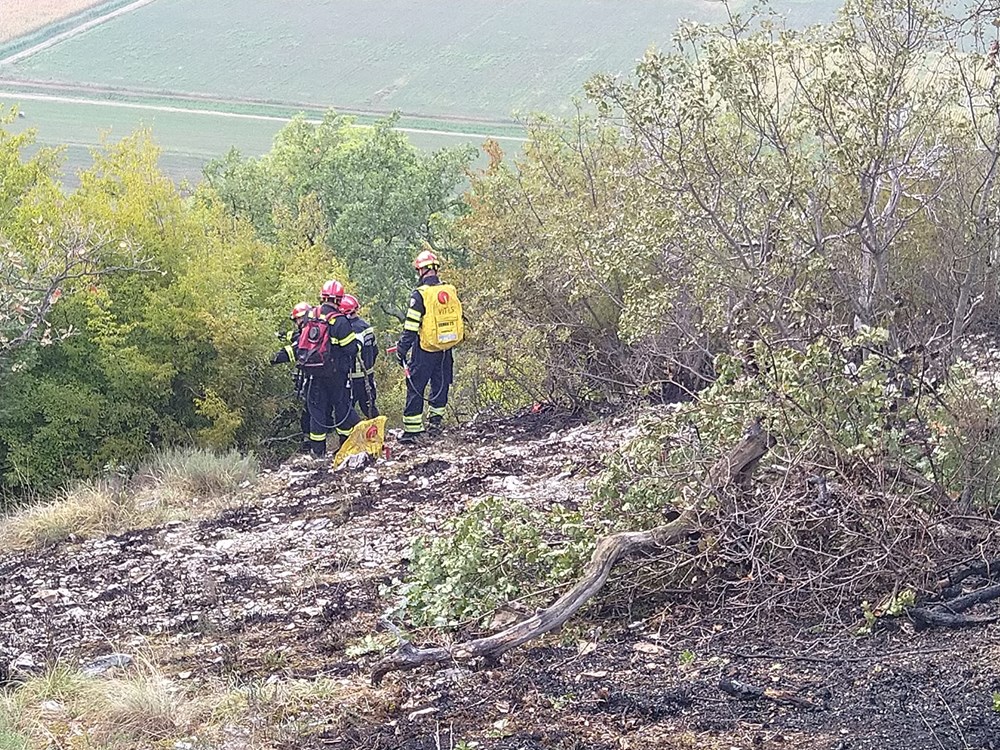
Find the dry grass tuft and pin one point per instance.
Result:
(65, 707)
(199, 472)
(172, 485)
(86, 511)
(148, 707)
(144, 708)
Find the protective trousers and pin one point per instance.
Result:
(305, 421)
(436, 369)
(363, 395)
(305, 424)
(329, 401)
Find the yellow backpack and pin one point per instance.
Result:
(441, 327)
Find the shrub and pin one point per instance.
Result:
(844, 411)
(496, 551)
(964, 430)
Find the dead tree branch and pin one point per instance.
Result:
(732, 470)
(32, 279)
(946, 614)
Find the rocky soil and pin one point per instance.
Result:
(284, 586)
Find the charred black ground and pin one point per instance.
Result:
(285, 583)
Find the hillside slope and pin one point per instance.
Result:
(285, 587)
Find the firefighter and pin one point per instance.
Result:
(287, 353)
(424, 349)
(326, 354)
(363, 375)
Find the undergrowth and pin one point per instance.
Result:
(170, 486)
(867, 448)
(497, 551)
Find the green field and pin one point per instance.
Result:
(188, 139)
(463, 58)
(461, 66)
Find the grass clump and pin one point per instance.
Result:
(144, 708)
(167, 488)
(72, 710)
(85, 511)
(201, 473)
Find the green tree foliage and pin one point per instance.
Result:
(167, 340)
(755, 183)
(377, 194)
(134, 316)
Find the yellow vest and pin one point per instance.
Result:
(441, 327)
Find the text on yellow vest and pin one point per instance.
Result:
(441, 327)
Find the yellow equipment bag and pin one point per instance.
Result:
(442, 327)
(366, 437)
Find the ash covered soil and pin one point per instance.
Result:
(282, 586)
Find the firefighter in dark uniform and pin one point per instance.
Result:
(328, 394)
(288, 354)
(423, 367)
(363, 375)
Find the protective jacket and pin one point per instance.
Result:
(367, 346)
(343, 341)
(289, 353)
(435, 369)
(363, 375)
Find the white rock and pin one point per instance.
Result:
(52, 708)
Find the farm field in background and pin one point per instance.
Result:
(188, 140)
(461, 58)
(453, 66)
(18, 17)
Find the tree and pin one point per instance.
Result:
(175, 355)
(379, 196)
(754, 183)
(44, 248)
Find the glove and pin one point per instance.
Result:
(274, 358)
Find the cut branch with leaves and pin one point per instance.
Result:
(732, 470)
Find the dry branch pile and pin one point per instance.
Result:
(791, 545)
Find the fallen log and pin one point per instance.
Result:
(945, 614)
(733, 469)
(989, 569)
(962, 603)
(929, 618)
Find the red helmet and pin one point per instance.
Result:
(333, 290)
(300, 310)
(349, 304)
(426, 259)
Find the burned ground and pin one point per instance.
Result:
(284, 585)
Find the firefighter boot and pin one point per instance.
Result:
(434, 426)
